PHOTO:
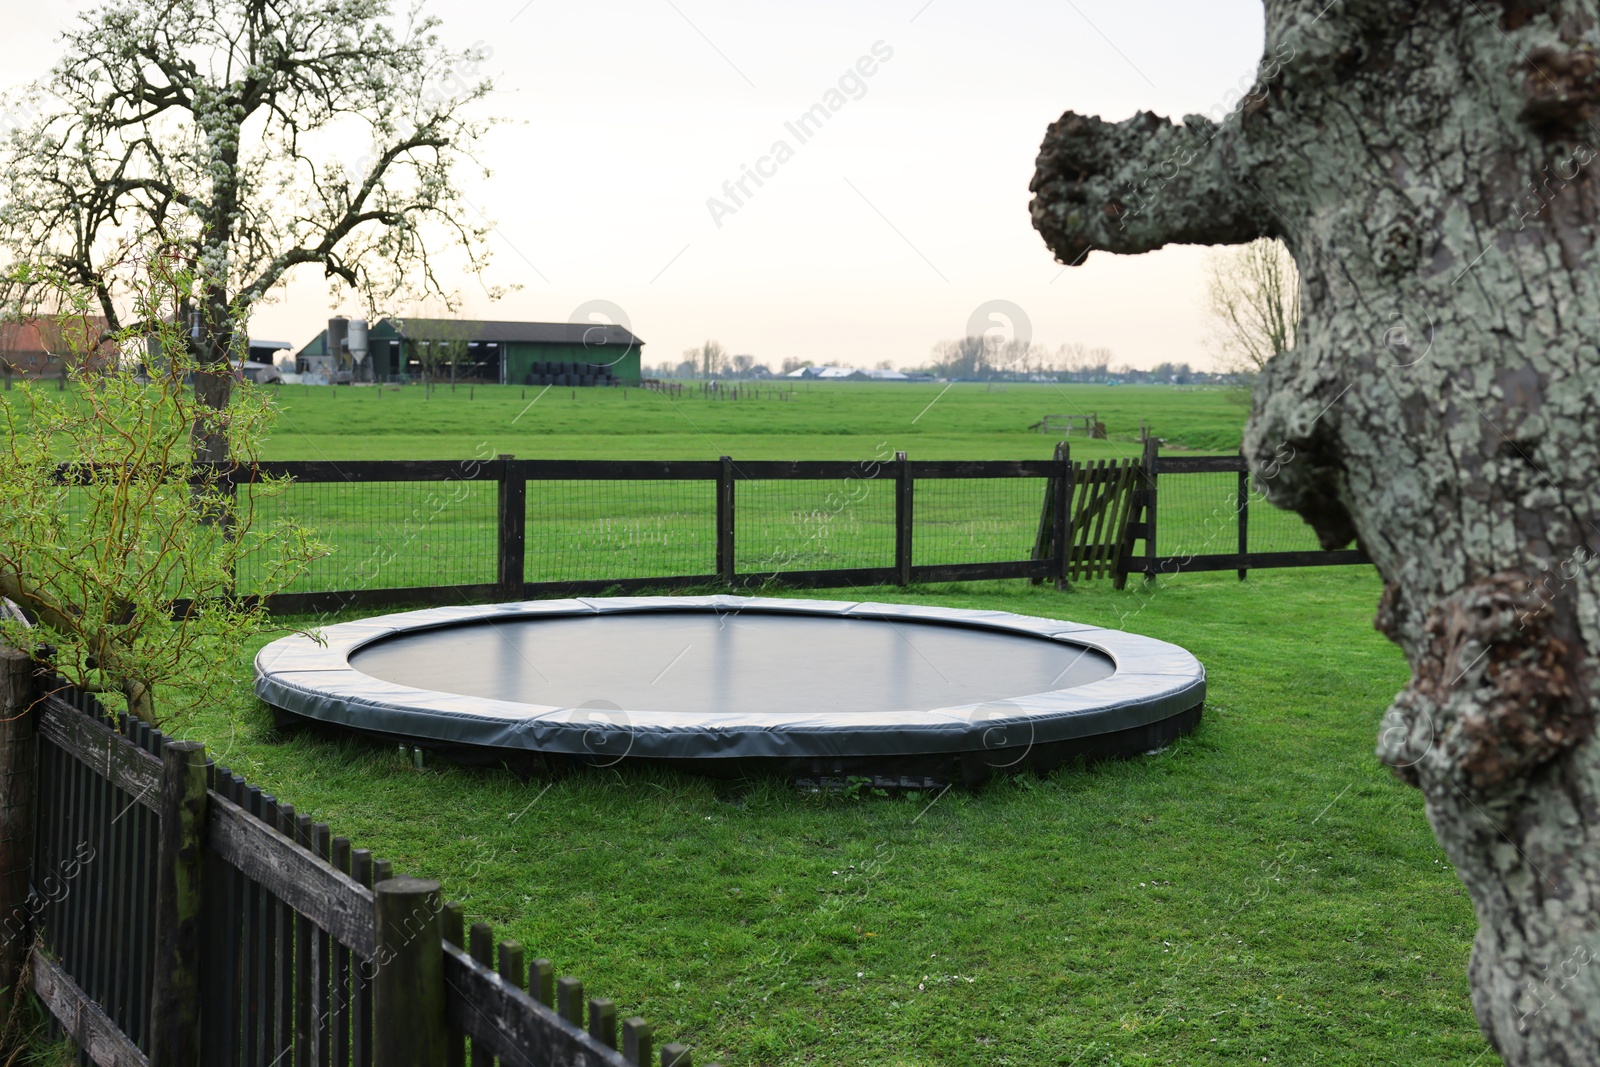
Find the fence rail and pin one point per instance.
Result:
(179, 914)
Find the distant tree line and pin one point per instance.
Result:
(710, 360)
(968, 359)
(980, 359)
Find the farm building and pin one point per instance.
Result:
(854, 374)
(43, 347)
(510, 353)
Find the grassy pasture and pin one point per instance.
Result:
(1260, 892)
(825, 420)
(426, 534)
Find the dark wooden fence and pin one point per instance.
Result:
(508, 529)
(179, 915)
(1084, 515)
(1112, 521)
(1145, 526)
(898, 477)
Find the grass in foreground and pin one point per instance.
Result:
(1260, 892)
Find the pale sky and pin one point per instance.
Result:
(877, 238)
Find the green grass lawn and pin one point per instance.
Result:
(1262, 891)
(825, 420)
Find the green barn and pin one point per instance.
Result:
(509, 353)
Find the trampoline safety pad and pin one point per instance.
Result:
(735, 678)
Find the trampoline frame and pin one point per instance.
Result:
(1155, 692)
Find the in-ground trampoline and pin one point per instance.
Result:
(734, 684)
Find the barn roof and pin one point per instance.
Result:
(567, 333)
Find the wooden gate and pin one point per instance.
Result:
(1100, 502)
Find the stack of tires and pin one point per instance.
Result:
(568, 374)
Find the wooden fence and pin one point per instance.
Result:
(511, 477)
(1096, 520)
(1144, 525)
(178, 915)
(493, 527)
(1088, 511)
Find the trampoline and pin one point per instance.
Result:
(732, 683)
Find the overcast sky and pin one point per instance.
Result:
(879, 236)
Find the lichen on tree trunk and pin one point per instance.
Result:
(1433, 168)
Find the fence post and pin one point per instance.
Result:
(1244, 517)
(1060, 532)
(725, 521)
(1152, 451)
(636, 1041)
(903, 498)
(230, 490)
(513, 527)
(180, 893)
(454, 930)
(409, 1027)
(18, 691)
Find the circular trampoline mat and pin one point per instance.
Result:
(720, 663)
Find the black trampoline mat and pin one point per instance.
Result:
(749, 662)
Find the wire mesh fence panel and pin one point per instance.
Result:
(1273, 529)
(587, 530)
(813, 524)
(76, 504)
(1197, 514)
(975, 520)
(386, 535)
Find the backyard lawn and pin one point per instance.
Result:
(1262, 891)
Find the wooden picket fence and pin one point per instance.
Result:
(176, 914)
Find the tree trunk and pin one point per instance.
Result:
(1432, 169)
(213, 380)
(213, 388)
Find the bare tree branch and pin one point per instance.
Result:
(1253, 292)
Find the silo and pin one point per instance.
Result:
(338, 337)
(357, 341)
(338, 348)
